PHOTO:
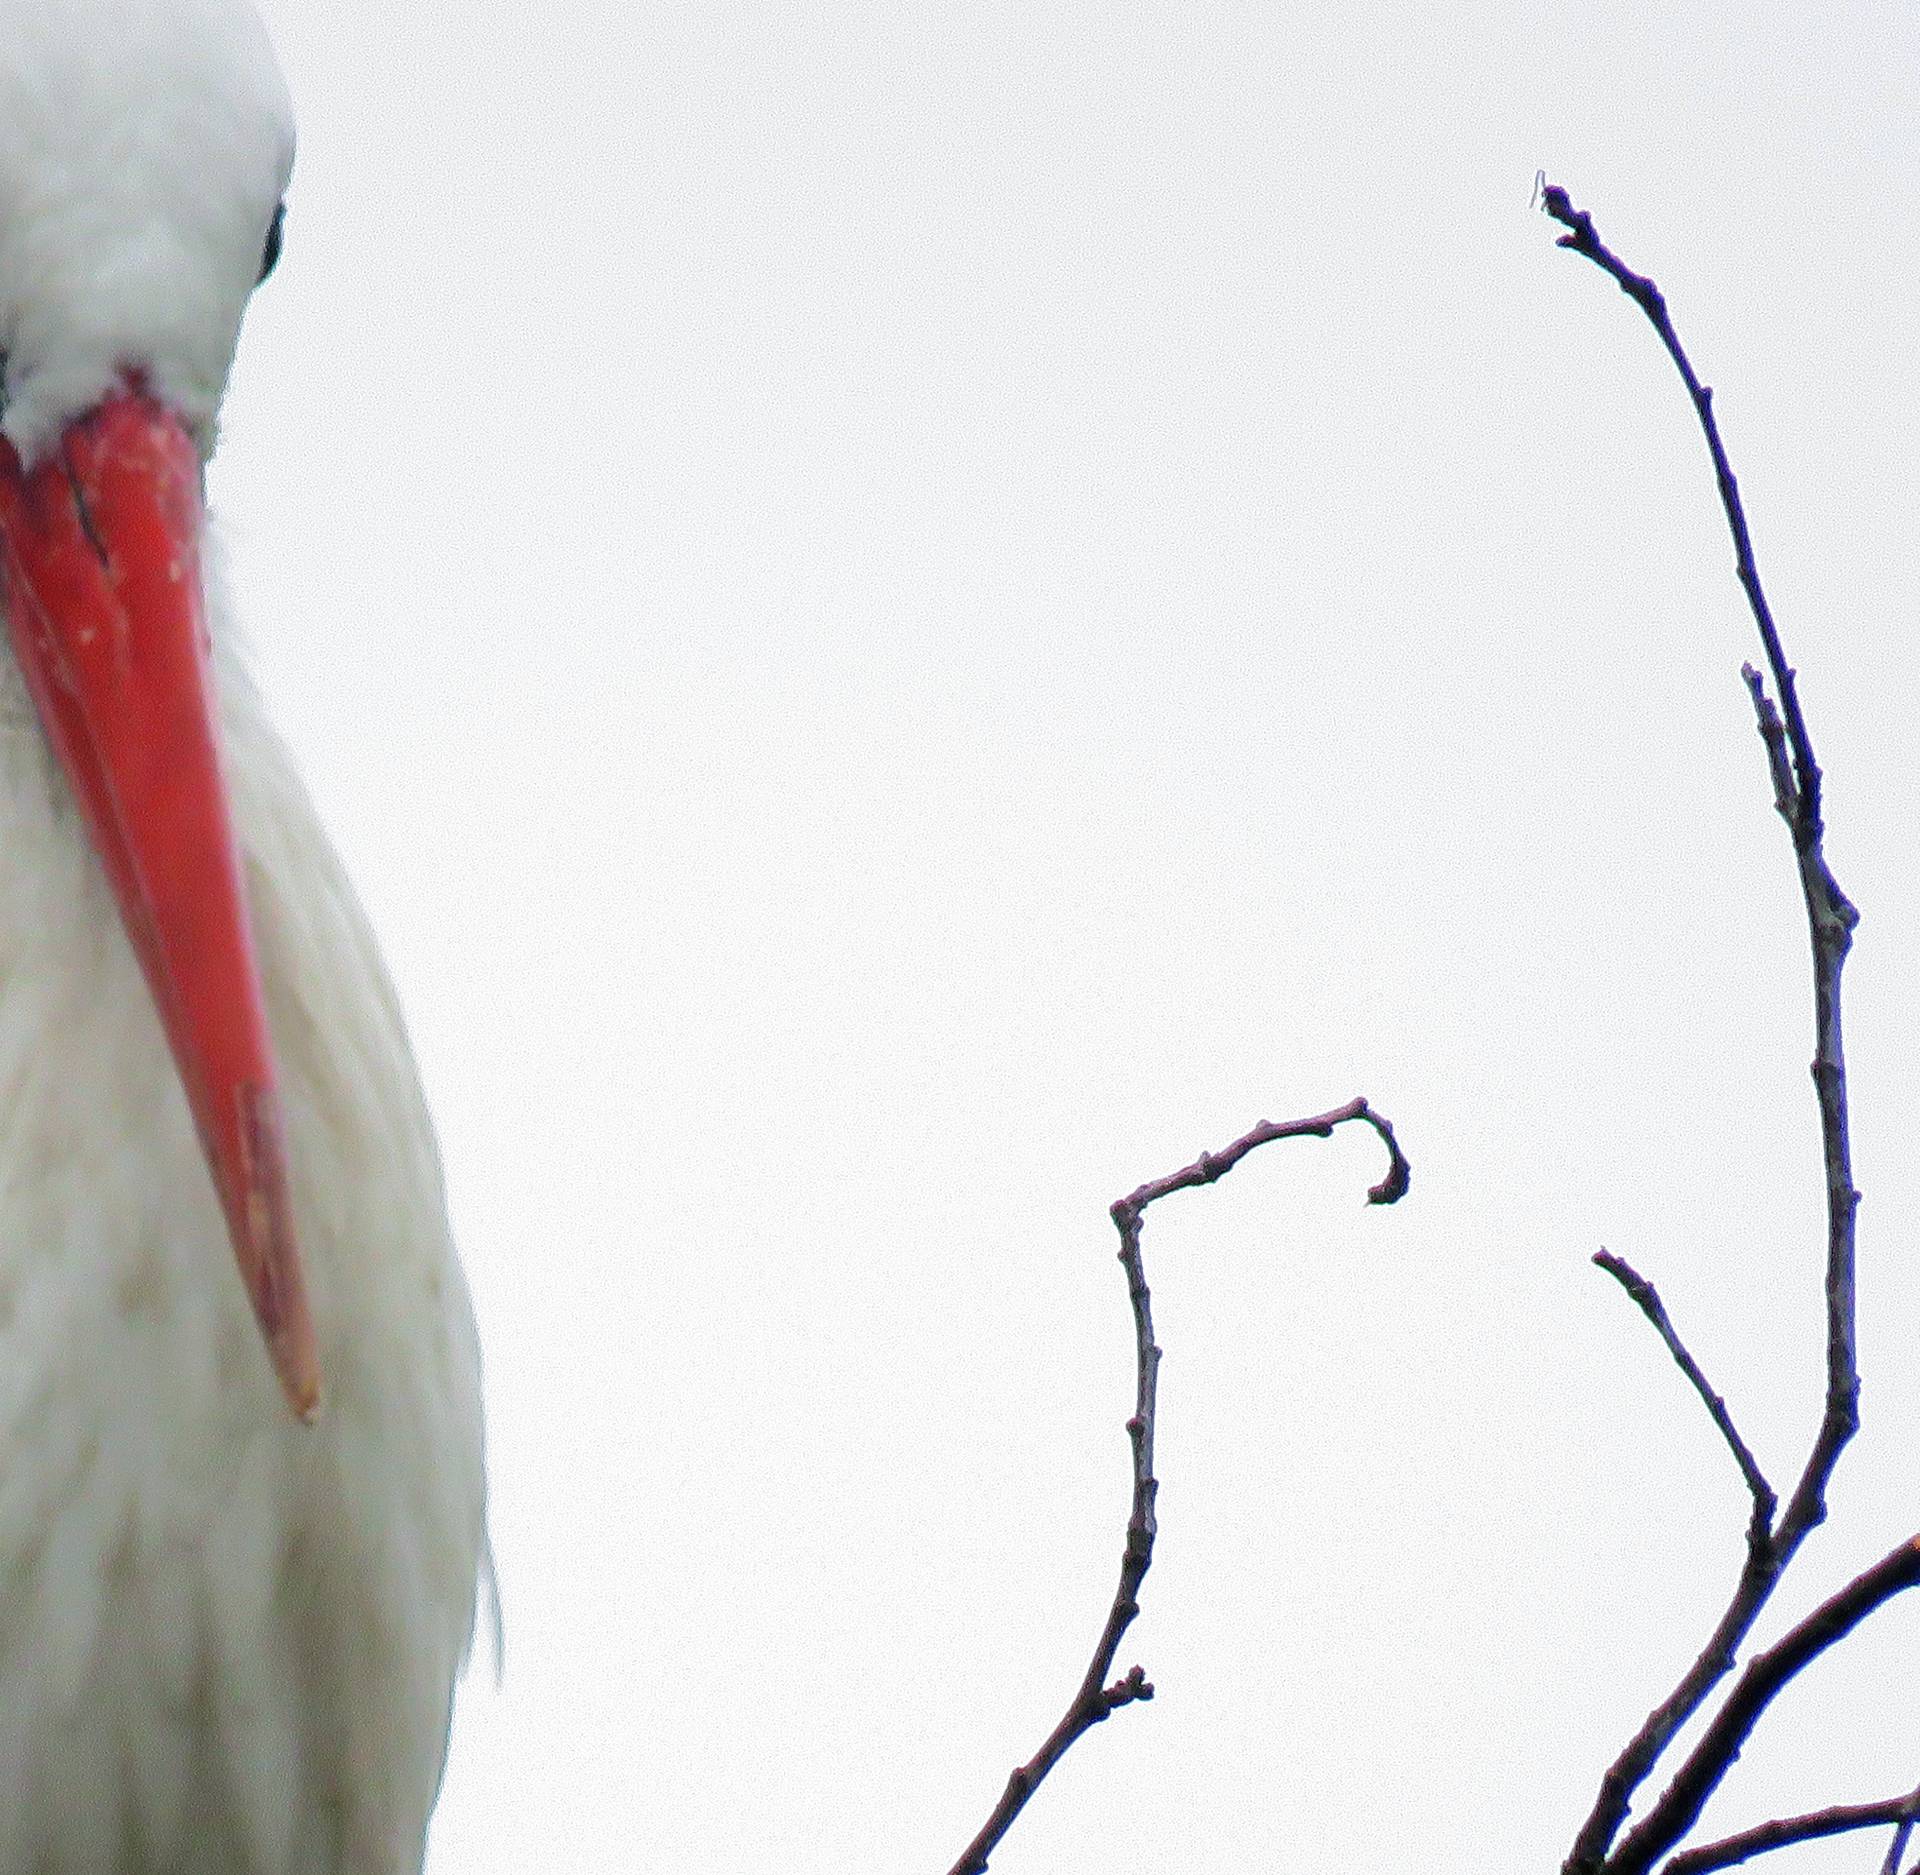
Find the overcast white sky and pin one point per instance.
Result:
(908, 614)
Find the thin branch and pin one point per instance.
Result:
(1765, 1674)
(1830, 919)
(1760, 1530)
(1216, 1165)
(1785, 1831)
(1584, 240)
(1096, 1698)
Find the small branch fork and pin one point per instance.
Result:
(1830, 919)
(1897, 1849)
(1096, 1697)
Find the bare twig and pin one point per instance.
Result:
(1215, 1165)
(1583, 239)
(1760, 1530)
(1831, 919)
(1096, 1698)
(1785, 1831)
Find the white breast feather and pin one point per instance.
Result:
(226, 1640)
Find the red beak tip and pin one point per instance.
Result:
(304, 1397)
(285, 1323)
(296, 1361)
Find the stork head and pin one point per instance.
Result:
(145, 146)
(144, 150)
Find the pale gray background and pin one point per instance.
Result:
(907, 614)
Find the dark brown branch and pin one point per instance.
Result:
(1831, 919)
(1629, 1771)
(1096, 1697)
(1785, 1831)
(1765, 1674)
(1760, 1530)
(1215, 1165)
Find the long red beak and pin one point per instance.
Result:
(100, 545)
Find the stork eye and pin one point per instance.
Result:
(270, 253)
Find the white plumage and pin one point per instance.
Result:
(227, 1639)
(143, 147)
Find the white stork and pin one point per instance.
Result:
(241, 1516)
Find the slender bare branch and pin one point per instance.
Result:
(1582, 239)
(1760, 1529)
(1215, 1165)
(1643, 1751)
(1784, 1832)
(1831, 919)
(1096, 1698)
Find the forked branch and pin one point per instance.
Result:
(1830, 921)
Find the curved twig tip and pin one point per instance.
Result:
(1399, 1179)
